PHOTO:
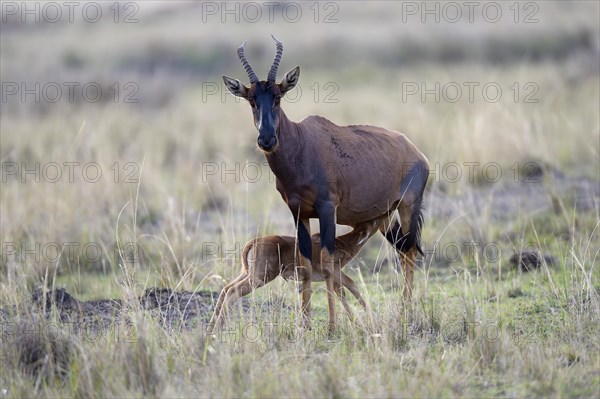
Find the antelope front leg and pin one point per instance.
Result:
(305, 249)
(327, 270)
(326, 213)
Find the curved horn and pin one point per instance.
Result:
(273, 72)
(246, 64)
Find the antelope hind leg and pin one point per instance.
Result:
(408, 269)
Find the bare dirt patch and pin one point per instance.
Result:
(173, 309)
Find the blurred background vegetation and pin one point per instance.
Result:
(183, 187)
(356, 62)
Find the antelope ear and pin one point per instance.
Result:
(235, 87)
(290, 80)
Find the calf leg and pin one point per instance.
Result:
(238, 290)
(347, 282)
(216, 318)
(339, 291)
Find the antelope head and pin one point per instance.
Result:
(264, 96)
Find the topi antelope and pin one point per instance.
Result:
(338, 174)
(266, 258)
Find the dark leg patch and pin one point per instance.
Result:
(304, 241)
(326, 213)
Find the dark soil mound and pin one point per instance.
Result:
(174, 309)
(530, 260)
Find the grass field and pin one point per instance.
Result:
(158, 183)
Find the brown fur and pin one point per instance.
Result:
(365, 169)
(266, 258)
(339, 174)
